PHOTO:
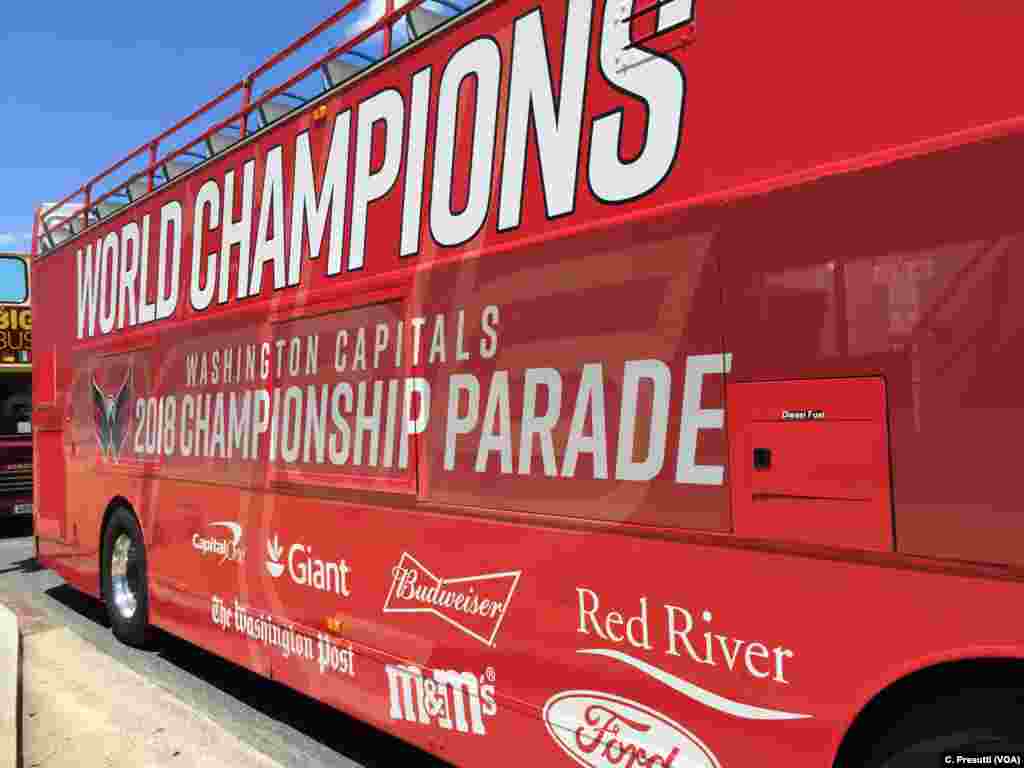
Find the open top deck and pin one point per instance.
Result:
(373, 31)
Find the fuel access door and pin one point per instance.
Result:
(810, 462)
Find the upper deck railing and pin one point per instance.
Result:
(91, 204)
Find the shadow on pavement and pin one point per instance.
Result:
(15, 527)
(80, 603)
(28, 565)
(345, 735)
(348, 736)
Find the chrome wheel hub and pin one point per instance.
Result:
(124, 576)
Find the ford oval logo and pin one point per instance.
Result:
(599, 730)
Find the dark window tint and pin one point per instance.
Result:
(15, 404)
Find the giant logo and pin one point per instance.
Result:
(599, 730)
(111, 415)
(307, 570)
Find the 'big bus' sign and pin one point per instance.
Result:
(15, 335)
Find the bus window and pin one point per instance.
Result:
(15, 404)
(13, 280)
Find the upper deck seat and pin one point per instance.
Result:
(421, 21)
(172, 169)
(277, 107)
(337, 71)
(108, 207)
(137, 187)
(61, 233)
(218, 142)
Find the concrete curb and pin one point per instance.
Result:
(10, 668)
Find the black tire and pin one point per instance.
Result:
(17, 407)
(125, 584)
(984, 721)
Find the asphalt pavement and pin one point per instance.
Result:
(246, 717)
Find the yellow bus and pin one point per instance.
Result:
(15, 386)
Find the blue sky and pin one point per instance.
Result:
(83, 84)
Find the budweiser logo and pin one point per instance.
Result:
(475, 605)
(599, 730)
(454, 700)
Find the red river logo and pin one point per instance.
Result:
(475, 605)
(599, 730)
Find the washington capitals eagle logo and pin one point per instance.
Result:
(111, 415)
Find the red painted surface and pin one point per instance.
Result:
(825, 476)
(562, 538)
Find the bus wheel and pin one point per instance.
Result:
(125, 588)
(973, 722)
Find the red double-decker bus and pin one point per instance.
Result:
(596, 383)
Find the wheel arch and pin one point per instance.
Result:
(927, 680)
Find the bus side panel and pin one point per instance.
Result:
(722, 647)
(198, 559)
(605, 351)
(64, 536)
(578, 621)
(908, 272)
(48, 513)
(717, 100)
(728, 644)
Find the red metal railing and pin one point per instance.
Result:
(245, 86)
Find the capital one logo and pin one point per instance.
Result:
(306, 570)
(228, 549)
